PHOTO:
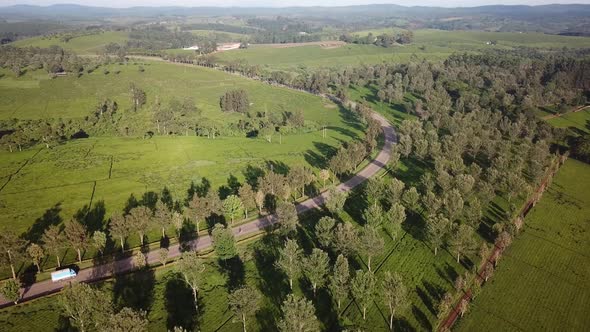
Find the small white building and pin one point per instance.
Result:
(192, 48)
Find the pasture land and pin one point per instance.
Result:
(315, 56)
(167, 299)
(428, 44)
(36, 96)
(220, 34)
(542, 282)
(579, 121)
(86, 171)
(89, 44)
(470, 40)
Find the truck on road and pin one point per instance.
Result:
(63, 275)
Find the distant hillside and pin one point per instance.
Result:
(67, 10)
(555, 19)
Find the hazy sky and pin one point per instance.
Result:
(283, 3)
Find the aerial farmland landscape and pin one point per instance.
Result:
(305, 166)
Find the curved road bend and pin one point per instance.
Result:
(105, 271)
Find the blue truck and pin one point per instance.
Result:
(62, 275)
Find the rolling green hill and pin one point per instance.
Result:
(88, 44)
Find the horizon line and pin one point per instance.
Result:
(298, 6)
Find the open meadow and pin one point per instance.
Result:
(110, 169)
(428, 44)
(578, 121)
(542, 282)
(86, 44)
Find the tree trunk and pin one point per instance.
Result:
(38, 267)
(290, 283)
(364, 313)
(391, 322)
(244, 322)
(435, 250)
(195, 299)
(457, 257)
(79, 255)
(122, 244)
(10, 147)
(369, 265)
(163, 232)
(339, 302)
(246, 212)
(315, 286)
(141, 238)
(58, 262)
(13, 273)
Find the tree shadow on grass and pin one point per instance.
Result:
(252, 173)
(423, 295)
(278, 167)
(273, 283)
(402, 324)
(178, 299)
(324, 308)
(315, 159)
(134, 290)
(349, 117)
(232, 187)
(149, 199)
(344, 131)
(236, 273)
(92, 217)
(188, 233)
(451, 272)
(64, 325)
(200, 190)
(326, 150)
(421, 318)
(50, 217)
(356, 203)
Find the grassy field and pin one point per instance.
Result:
(428, 44)
(36, 96)
(579, 121)
(109, 169)
(542, 283)
(90, 44)
(316, 56)
(426, 276)
(220, 34)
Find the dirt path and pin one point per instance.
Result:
(553, 116)
(106, 271)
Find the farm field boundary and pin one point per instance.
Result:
(496, 253)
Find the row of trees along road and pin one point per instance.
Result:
(269, 191)
(473, 146)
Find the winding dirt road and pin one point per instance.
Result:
(105, 271)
